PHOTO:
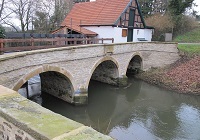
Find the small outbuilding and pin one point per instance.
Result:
(118, 19)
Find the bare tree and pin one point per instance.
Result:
(55, 11)
(3, 10)
(2, 7)
(28, 12)
(41, 22)
(62, 8)
(23, 10)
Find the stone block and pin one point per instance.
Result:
(85, 133)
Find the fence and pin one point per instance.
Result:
(16, 45)
(36, 35)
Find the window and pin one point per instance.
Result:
(124, 32)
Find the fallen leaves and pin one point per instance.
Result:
(182, 76)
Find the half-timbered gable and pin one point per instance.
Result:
(135, 17)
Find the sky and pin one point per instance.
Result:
(197, 8)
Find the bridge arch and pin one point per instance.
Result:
(108, 68)
(54, 80)
(135, 64)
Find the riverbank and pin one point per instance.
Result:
(183, 76)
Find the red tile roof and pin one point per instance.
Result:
(78, 29)
(100, 12)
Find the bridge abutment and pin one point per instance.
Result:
(120, 81)
(80, 97)
(123, 81)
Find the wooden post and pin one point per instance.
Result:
(60, 43)
(112, 40)
(32, 42)
(1, 47)
(75, 41)
(57, 41)
(102, 41)
(27, 92)
(25, 85)
(52, 40)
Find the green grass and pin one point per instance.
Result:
(189, 37)
(190, 48)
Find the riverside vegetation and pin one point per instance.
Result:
(184, 75)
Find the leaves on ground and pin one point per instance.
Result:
(182, 76)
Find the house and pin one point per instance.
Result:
(118, 19)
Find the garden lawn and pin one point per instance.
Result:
(191, 49)
(189, 37)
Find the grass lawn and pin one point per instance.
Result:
(189, 37)
(190, 48)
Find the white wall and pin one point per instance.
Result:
(108, 32)
(116, 33)
(142, 33)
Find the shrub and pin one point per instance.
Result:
(184, 24)
(161, 23)
(177, 25)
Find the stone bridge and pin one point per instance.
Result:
(66, 72)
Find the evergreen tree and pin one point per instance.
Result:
(2, 32)
(178, 7)
(146, 7)
(151, 7)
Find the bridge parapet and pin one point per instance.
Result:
(21, 119)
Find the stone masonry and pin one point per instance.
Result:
(77, 65)
(22, 119)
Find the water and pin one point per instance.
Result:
(137, 112)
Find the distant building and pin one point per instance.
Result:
(118, 19)
(10, 29)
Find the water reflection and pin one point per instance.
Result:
(138, 111)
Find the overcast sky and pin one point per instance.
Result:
(197, 8)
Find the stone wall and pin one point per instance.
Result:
(8, 131)
(21, 119)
